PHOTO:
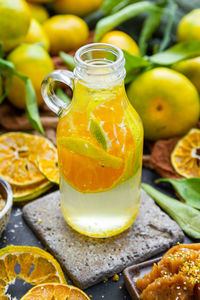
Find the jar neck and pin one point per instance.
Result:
(99, 65)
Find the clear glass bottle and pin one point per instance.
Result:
(100, 143)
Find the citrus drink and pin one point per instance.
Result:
(100, 188)
(100, 142)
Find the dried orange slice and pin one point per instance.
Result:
(29, 192)
(35, 266)
(18, 157)
(49, 168)
(52, 291)
(185, 157)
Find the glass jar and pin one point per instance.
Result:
(100, 143)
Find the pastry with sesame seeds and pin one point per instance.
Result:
(175, 277)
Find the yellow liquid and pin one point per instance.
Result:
(112, 206)
(101, 214)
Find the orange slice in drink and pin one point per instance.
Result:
(55, 291)
(49, 168)
(18, 157)
(35, 267)
(185, 157)
(96, 155)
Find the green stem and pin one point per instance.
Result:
(108, 23)
(68, 60)
(167, 34)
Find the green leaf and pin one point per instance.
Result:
(32, 111)
(68, 60)
(108, 5)
(2, 54)
(171, 11)
(187, 217)
(6, 88)
(6, 65)
(108, 23)
(133, 62)
(176, 53)
(188, 189)
(149, 26)
(62, 96)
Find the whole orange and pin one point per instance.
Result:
(79, 7)
(167, 102)
(189, 27)
(121, 40)
(66, 32)
(32, 61)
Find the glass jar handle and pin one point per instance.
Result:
(47, 89)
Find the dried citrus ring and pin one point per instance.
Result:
(49, 168)
(36, 266)
(29, 192)
(51, 291)
(185, 157)
(18, 157)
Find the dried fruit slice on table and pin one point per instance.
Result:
(51, 291)
(185, 157)
(18, 157)
(36, 266)
(28, 192)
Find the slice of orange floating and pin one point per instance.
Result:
(55, 291)
(96, 157)
(49, 168)
(18, 157)
(36, 266)
(185, 157)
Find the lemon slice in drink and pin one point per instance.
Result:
(98, 133)
(86, 148)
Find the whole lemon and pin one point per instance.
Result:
(189, 27)
(191, 69)
(79, 7)
(167, 102)
(66, 32)
(32, 61)
(14, 22)
(38, 12)
(36, 34)
(121, 40)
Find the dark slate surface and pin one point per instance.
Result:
(88, 261)
(18, 233)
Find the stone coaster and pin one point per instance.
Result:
(88, 261)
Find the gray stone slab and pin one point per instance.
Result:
(88, 261)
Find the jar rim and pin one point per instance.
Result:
(99, 47)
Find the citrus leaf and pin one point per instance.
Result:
(68, 60)
(133, 62)
(188, 218)
(149, 26)
(108, 5)
(176, 53)
(32, 108)
(6, 65)
(188, 189)
(62, 96)
(108, 23)
(32, 111)
(171, 11)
